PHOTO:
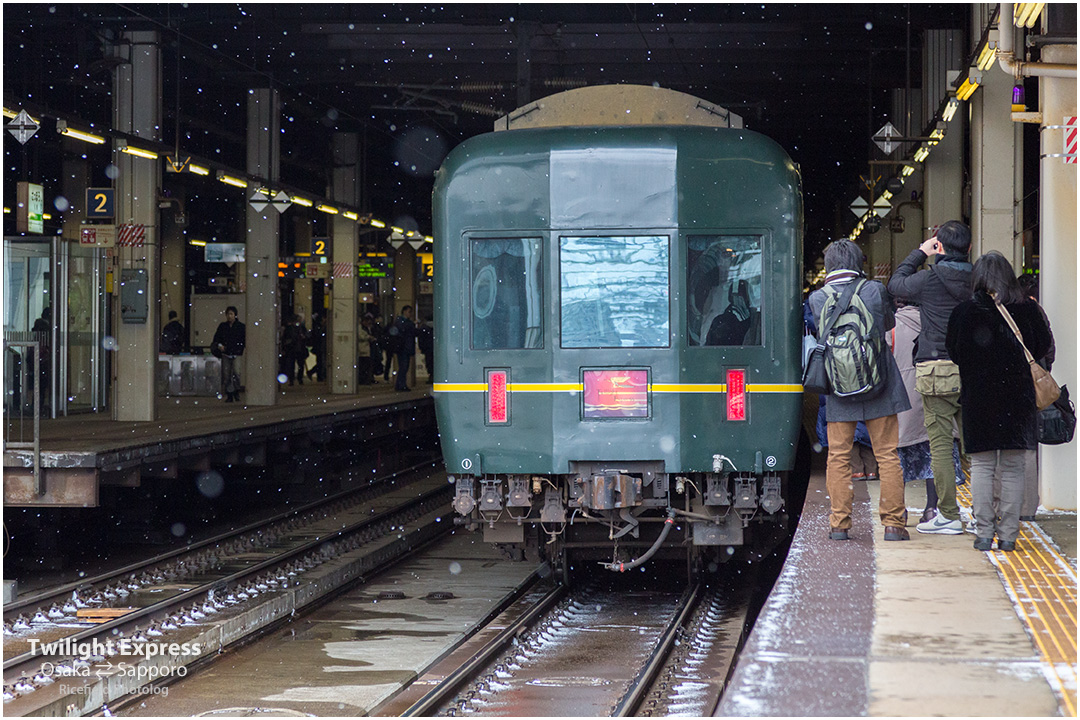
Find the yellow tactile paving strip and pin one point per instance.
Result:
(1042, 585)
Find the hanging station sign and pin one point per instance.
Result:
(31, 211)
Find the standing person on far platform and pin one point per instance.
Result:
(878, 409)
(317, 337)
(172, 336)
(937, 291)
(997, 394)
(425, 341)
(228, 344)
(405, 346)
(363, 346)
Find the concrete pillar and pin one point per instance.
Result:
(261, 252)
(1057, 223)
(943, 177)
(994, 138)
(344, 243)
(137, 111)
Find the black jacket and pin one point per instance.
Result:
(936, 291)
(172, 338)
(233, 337)
(996, 391)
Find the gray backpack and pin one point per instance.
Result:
(855, 350)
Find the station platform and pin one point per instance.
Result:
(79, 453)
(927, 627)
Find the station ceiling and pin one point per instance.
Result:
(417, 79)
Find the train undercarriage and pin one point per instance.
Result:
(624, 514)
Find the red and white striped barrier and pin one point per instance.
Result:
(129, 235)
(1070, 140)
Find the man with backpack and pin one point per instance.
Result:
(937, 291)
(852, 315)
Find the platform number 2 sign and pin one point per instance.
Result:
(100, 203)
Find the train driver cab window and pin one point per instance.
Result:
(507, 312)
(723, 290)
(615, 291)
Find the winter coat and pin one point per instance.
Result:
(892, 398)
(233, 337)
(363, 342)
(172, 338)
(294, 339)
(902, 340)
(997, 395)
(404, 333)
(936, 291)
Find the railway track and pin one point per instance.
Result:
(149, 622)
(589, 652)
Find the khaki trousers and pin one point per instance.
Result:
(884, 435)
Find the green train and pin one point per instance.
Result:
(617, 333)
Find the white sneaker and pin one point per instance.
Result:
(968, 518)
(938, 525)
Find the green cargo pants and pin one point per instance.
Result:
(939, 411)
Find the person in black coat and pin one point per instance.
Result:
(404, 333)
(294, 352)
(997, 393)
(228, 344)
(172, 336)
(937, 291)
(318, 347)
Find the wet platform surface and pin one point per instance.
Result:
(928, 627)
(79, 453)
(183, 417)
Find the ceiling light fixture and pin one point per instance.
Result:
(63, 129)
(969, 87)
(230, 180)
(301, 201)
(328, 209)
(138, 152)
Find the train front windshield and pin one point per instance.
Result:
(615, 291)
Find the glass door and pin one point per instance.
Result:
(83, 329)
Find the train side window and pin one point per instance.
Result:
(615, 291)
(506, 299)
(723, 290)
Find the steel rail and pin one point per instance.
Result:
(638, 690)
(199, 592)
(52, 595)
(438, 696)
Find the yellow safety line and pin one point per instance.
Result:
(1042, 585)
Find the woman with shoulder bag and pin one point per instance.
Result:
(997, 394)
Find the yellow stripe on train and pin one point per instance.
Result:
(659, 388)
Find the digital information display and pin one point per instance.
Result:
(616, 394)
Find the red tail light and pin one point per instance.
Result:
(736, 394)
(498, 399)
